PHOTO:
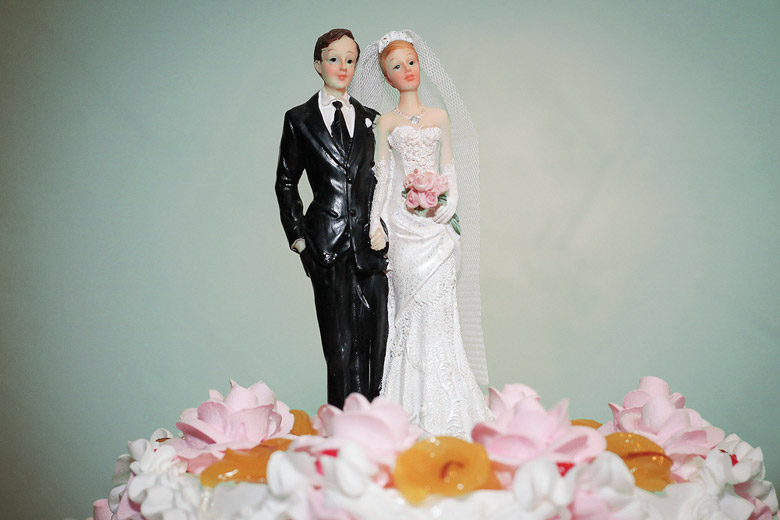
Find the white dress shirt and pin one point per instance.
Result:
(328, 111)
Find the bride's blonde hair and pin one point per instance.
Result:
(392, 46)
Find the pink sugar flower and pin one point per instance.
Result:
(524, 430)
(654, 412)
(127, 509)
(380, 427)
(100, 510)
(241, 420)
(501, 403)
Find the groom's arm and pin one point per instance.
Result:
(288, 174)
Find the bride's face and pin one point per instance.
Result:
(403, 69)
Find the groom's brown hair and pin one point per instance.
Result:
(330, 37)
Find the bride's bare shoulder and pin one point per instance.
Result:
(439, 116)
(386, 122)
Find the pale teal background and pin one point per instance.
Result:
(631, 216)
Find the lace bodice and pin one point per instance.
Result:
(416, 148)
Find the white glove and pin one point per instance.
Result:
(446, 211)
(375, 230)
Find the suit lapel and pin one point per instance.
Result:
(320, 132)
(359, 135)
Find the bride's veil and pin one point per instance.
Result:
(436, 90)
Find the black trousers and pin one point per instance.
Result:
(352, 315)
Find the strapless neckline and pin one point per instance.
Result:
(416, 130)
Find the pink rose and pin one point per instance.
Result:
(241, 420)
(428, 199)
(654, 412)
(423, 181)
(412, 199)
(409, 180)
(441, 185)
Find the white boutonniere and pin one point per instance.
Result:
(369, 123)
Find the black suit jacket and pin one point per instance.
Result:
(336, 223)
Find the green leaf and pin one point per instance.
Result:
(455, 223)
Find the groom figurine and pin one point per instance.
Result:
(330, 137)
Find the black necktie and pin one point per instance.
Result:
(339, 127)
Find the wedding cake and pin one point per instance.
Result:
(246, 455)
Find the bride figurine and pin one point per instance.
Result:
(435, 356)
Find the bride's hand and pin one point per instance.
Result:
(447, 211)
(444, 213)
(378, 239)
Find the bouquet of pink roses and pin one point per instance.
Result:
(424, 192)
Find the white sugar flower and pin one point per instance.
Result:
(540, 493)
(605, 490)
(691, 500)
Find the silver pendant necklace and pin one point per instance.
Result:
(415, 120)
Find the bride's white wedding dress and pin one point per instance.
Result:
(426, 369)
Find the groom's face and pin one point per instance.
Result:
(337, 65)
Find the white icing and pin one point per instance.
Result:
(338, 477)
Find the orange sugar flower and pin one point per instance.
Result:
(444, 466)
(302, 425)
(646, 460)
(582, 422)
(243, 465)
